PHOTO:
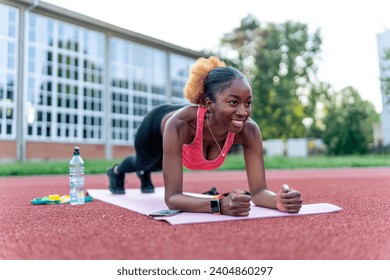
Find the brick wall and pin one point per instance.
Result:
(60, 151)
(45, 151)
(8, 150)
(121, 152)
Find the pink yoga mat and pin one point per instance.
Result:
(145, 204)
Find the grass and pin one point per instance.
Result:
(236, 162)
(52, 167)
(233, 162)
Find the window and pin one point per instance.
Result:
(65, 77)
(138, 83)
(180, 68)
(8, 70)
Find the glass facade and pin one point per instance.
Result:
(65, 70)
(179, 72)
(138, 84)
(9, 19)
(68, 94)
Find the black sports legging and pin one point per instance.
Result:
(148, 142)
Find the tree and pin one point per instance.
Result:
(318, 98)
(348, 121)
(280, 60)
(385, 80)
(289, 101)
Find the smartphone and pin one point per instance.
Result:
(165, 213)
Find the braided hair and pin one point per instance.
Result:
(208, 77)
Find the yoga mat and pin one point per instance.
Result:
(147, 203)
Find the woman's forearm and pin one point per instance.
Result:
(188, 203)
(265, 198)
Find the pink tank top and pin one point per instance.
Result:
(193, 153)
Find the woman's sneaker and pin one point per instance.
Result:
(146, 182)
(116, 182)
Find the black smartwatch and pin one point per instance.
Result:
(215, 204)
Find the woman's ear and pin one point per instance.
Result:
(209, 104)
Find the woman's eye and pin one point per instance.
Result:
(233, 102)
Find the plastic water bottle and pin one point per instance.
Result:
(76, 178)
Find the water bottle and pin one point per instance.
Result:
(76, 178)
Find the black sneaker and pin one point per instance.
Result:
(116, 181)
(146, 182)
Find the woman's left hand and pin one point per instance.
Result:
(237, 203)
(288, 200)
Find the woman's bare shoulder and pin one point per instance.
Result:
(184, 115)
(182, 119)
(250, 131)
(187, 113)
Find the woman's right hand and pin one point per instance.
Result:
(288, 200)
(237, 203)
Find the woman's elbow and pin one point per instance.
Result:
(169, 201)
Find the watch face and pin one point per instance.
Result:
(214, 206)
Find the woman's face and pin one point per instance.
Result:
(233, 105)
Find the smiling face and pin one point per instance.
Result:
(232, 107)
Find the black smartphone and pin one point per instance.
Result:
(165, 213)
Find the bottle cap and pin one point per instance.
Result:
(76, 151)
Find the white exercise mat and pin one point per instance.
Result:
(147, 203)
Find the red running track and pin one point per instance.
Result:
(98, 230)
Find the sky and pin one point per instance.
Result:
(349, 29)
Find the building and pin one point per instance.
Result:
(383, 48)
(67, 79)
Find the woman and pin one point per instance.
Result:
(199, 137)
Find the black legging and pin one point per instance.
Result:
(148, 142)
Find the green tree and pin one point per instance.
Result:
(280, 61)
(385, 80)
(315, 108)
(348, 121)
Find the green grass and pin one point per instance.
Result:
(233, 162)
(52, 167)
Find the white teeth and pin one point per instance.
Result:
(239, 123)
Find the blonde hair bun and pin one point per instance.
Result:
(194, 89)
